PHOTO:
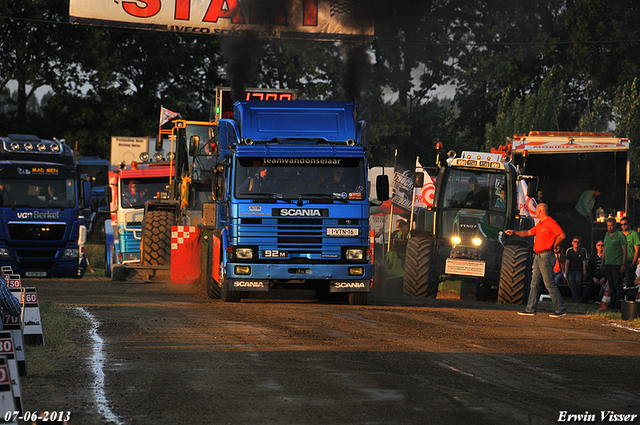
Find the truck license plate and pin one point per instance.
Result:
(35, 274)
(342, 232)
(465, 267)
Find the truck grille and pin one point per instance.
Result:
(36, 253)
(37, 231)
(133, 220)
(303, 239)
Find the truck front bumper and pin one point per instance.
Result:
(260, 277)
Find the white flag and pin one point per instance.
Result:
(526, 204)
(424, 195)
(166, 115)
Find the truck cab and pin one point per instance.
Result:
(293, 201)
(42, 202)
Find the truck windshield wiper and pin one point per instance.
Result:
(321, 196)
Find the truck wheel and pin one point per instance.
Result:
(227, 295)
(514, 274)
(213, 287)
(157, 237)
(358, 298)
(419, 280)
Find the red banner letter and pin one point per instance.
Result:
(310, 13)
(224, 9)
(152, 7)
(183, 9)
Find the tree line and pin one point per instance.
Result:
(516, 66)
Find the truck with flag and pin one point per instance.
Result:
(292, 201)
(460, 236)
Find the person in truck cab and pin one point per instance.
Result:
(477, 196)
(133, 197)
(257, 183)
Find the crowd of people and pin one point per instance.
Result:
(614, 263)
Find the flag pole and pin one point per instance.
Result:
(413, 200)
(395, 163)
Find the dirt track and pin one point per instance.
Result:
(172, 356)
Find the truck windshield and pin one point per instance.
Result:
(313, 179)
(135, 192)
(98, 174)
(38, 193)
(477, 193)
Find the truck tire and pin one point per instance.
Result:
(358, 298)
(515, 272)
(227, 295)
(213, 287)
(156, 245)
(419, 279)
(230, 296)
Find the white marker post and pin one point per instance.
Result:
(7, 350)
(7, 401)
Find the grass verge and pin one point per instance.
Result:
(59, 324)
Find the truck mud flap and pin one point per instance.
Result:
(248, 285)
(350, 286)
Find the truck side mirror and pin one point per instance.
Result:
(419, 180)
(382, 187)
(107, 195)
(194, 144)
(218, 182)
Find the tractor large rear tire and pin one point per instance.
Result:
(156, 247)
(419, 279)
(515, 274)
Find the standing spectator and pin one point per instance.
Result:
(399, 240)
(633, 248)
(596, 277)
(585, 204)
(615, 257)
(583, 214)
(549, 236)
(576, 267)
(10, 304)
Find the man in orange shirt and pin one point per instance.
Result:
(549, 236)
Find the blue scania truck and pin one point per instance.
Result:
(42, 198)
(292, 201)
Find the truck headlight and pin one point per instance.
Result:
(355, 254)
(244, 253)
(4, 253)
(70, 253)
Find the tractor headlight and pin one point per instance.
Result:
(456, 240)
(477, 241)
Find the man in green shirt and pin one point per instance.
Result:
(633, 249)
(615, 258)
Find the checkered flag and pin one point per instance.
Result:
(338, 7)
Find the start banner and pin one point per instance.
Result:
(308, 19)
